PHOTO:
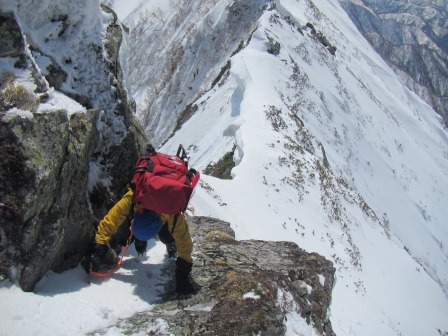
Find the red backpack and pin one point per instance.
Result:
(162, 182)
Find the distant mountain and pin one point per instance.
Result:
(412, 36)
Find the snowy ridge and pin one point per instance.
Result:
(171, 63)
(332, 152)
(377, 210)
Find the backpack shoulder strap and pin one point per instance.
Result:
(181, 153)
(176, 217)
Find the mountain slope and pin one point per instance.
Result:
(177, 52)
(412, 36)
(331, 152)
(335, 154)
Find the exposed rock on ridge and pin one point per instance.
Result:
(45, 220)
(284, 281)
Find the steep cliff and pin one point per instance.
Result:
(68, 135)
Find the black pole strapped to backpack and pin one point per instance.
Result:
(181, 150)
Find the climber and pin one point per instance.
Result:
(113, 233)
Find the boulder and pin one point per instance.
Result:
(45, 213)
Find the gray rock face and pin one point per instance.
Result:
(47, 211)
(412, 36)
(285, 279)
(12, 44)
(45, 219)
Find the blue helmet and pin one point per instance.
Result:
(146, 224)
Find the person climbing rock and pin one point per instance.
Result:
(159, 192)
(114, 230)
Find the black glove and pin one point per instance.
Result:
(140, 245)
(171, 250)
(183, 270)
(98, 256)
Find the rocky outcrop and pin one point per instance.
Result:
(12, 44)
(45, 220)
(247, 288)
(60, 171)
(412, 36)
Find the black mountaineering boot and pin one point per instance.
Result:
(183, 270)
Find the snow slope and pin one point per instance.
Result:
(332, 152)
(65, 304)
(378, 212)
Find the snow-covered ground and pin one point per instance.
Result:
(378, 210)
(66, 304)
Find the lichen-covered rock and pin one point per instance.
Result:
(10, 35)
(45, 216)
(247, 287)
(61, 172)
